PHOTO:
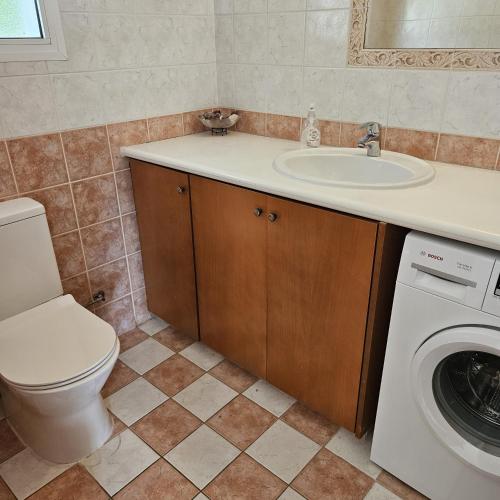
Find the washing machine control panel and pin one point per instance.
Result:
(492, 299)
(497, 286)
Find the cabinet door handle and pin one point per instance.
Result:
(272, 217)
(258, 212)
(181, 189)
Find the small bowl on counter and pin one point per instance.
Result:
(218, 122)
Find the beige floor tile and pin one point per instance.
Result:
(119, 461)
(75, 483)
(202, 355)
(202, 455)
(174, 374)
(245, 478)
(153, 325)
(135, 400)
(283, 450)
(146, 355)
(233, 376)
(159, 482)
(269, 397)
(328, 476)
(25, 473)
(241, 422)
(290, 494)
(205, 397)
(378, 492)
(355, 451)
(166, 426)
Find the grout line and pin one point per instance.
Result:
(121, 225)
(497, 164)
(11, 167)
(76, 218)
(438, 145)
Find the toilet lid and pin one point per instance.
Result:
(53, 343)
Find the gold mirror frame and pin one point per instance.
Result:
(478, 59)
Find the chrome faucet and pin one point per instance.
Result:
(371, 141)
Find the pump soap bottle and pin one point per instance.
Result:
(311, 135)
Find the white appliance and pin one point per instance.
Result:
(55, 355)
(438, 417)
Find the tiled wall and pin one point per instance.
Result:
(128, 60)
(85, 186)
(278, 56)
(63, 123)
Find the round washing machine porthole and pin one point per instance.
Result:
(466, 387)
(456, 385)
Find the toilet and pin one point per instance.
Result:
(55, 355)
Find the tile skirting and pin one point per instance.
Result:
(433, 146)
(86, 188)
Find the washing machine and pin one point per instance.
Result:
(438, 417)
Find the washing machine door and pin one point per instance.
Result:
(456, 384)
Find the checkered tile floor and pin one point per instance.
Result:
(189, 424)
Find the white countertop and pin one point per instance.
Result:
(461, 203)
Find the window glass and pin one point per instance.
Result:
(20, 19)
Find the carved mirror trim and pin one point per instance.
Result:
(482, 59)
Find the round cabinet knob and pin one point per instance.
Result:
(181, 189)
(258, 212)
(272, 217)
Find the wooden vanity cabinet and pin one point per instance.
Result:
(319, 265)
(162, 200)
(295, 294)
(230, 245)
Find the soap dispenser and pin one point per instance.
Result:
(311, 135)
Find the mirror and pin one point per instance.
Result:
(435, 34)
(433, 24)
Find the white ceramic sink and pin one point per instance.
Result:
(352, 168)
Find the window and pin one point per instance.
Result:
(30, 30)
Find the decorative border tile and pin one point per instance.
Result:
(413, 58)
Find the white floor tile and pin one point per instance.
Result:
(25, 473)
(153, 325)
(290, 494)
(202, 455)
(135, 400)
(355, 451)
(202, 355)
(378, 492)
(146, 355)
(283, 450)
(119, 461)
(205, 397)
(200, 496)
(269, 397)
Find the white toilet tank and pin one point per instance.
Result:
(28, 269)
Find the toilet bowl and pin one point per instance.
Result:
(54, 361)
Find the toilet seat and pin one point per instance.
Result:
(54, 344)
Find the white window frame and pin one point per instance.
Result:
(49, 48)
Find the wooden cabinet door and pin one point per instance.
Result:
(162, 200)
(230, 250)
(319, 269)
